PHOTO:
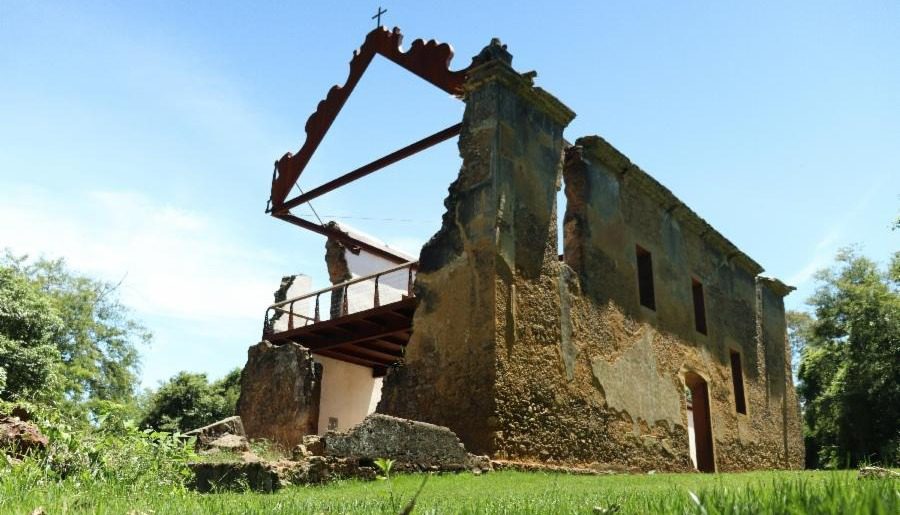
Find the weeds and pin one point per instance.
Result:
(111, 452)
(117, 468)
(384, 467)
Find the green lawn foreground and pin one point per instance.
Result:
(497, 492)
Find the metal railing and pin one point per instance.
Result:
(274, 311)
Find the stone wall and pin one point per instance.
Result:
(499, 217)
(614, 207)
(529, 358)
(280, 390)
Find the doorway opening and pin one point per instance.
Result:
(699, 425)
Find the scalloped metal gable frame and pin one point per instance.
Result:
(429, 60)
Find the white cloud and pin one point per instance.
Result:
(174, 261)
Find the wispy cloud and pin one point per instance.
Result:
(176, 262)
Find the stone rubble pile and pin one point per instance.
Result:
(19, 438)
(414, 447)
(226, 435)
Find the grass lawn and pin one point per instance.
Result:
(498, 492)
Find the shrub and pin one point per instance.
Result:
(188, 401)
(111, 450)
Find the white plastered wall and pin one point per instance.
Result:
(391, 287)
(692, 440)
(349, 394)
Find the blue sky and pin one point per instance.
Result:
(137, 139)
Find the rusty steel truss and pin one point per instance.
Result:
(429, 60)
(374, 337)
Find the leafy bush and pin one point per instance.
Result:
(188, 401)
(113, 450)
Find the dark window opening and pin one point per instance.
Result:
(645, 278)
(737, 378)
(699, 307)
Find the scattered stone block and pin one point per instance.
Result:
(314, 445)
(225, 435)
(413, 445)
(20, 438)
(257, 476)
(230, 443)
(877, 472)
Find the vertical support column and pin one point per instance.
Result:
(761, 355)
(499, 212)
(777, 356)
(338, 272)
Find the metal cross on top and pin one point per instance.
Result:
(378, 16)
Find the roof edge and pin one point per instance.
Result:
(605, 152)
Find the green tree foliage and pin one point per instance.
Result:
(188, 401)
(850, 363)
(65, 336)
(29, 329)
(99, 344)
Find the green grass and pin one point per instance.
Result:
(498, 492)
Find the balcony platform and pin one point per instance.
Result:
(374, 338)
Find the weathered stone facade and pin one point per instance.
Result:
(529, 357)
(652, 343)
(280, 392)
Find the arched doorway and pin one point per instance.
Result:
(698, 410)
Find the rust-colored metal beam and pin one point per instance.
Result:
(387, 346)
(372, 167)
(356, 354)
(341, 236)
(369, 352)
(429, 60)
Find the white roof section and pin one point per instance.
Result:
(373, 241)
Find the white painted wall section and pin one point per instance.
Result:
(391, 287)
(349, 394)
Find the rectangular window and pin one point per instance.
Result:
(737, 378)
(645, 278)
(699, 307)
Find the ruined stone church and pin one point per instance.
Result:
(652, 342)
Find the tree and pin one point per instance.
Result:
(188, 401)
(29, 328)
(99, 344)
(93, 339)
(850, 363)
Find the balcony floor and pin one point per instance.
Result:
(374, 338)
